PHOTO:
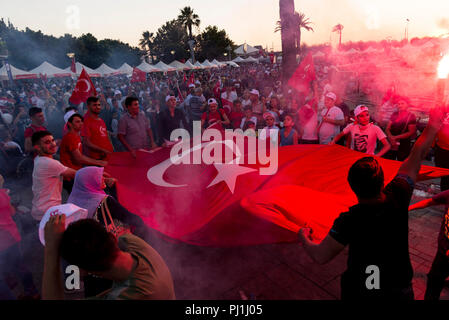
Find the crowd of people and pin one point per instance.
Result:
(37, 120)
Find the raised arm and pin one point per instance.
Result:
(423, 204)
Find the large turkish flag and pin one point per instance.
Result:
(214, 205)
(84, 89)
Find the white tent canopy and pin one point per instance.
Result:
(370, 50)
(178, 65)
(189, 65)
(50, 70)
(319, 54)
(163, 67)
(232, 64)
(428, 44)
(207, 63)
(245, 49)
(352, 51)
(238, 59)
(16, 74)
(79, 67)
(199, 65)
(250, 59)
(148, 68)
(106, 70)
(217, 63)
(125, 69)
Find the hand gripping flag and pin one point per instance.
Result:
(138, 76)
(84, 89)
(304, 75)
(232, 204)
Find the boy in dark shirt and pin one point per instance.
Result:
(376, 229)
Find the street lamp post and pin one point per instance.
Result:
(229, 51)
(192, 53)
(4, 59)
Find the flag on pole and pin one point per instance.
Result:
(138, 76)
(73, 66)
(303, 75)
(192, 79)
(84, 89)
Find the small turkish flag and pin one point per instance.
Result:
(303, 75)
(138, 76)
(192, 78)
(84, 89)
(73, 66)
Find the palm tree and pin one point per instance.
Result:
(298, 21)
(286, 12)
(338, 28)
(146, 43)
(189, 20)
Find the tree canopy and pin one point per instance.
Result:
(27, 49)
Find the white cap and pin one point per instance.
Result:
(191, 85)
(116, 92)
(212, 101)
(68, 115)
(331, 95)
(169, 97)
(6, 117)
(254, 91)
(360, 109)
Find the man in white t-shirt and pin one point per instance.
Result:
(48, 174)
(331, 119)
(364, 135)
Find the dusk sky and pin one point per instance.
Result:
(252, 21)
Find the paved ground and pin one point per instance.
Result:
(277, 271)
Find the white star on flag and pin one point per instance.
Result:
(229, 173)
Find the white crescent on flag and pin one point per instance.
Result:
(227, 172)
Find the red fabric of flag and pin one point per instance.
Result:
(232, 204)
(73, 66)
(138, 76)
(84, 89)
(192, 78)
(304, 74)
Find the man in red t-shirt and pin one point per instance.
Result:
(214, 118)
(37, 124)
(71, 149)
(96, 141)
(236, 114)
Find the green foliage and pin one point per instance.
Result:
(189, 19)
(27, 49)
(172, 36)
(212, 43)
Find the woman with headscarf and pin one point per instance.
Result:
(88, 193)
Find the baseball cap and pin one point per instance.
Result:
(267, 115)
(360, 109)
(331, 95)
(169, 97)
(116, 92)
(191, 85)
(212, 101)
(254, 91)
